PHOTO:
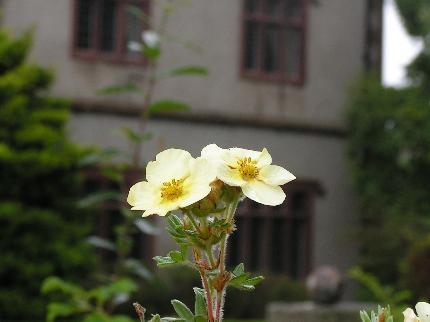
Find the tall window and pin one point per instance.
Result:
(103, 28)
(280, 237)
(273, 45)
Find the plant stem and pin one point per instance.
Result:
(211, 257)
(208, 295)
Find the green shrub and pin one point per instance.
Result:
(388, 150)
(42, 231)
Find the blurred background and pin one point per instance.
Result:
(90, 90)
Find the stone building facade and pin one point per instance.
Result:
(280, 71)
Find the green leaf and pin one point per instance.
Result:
(239, 269)
(60, 310)
(101, 243)
(147, 227)
(118, 89)
(200, 318)
(135, 136)
(188, 71)
(169, 319)
(151, 52)
(183, 311)
(200, 303)
(163, 261)
(167, 105)
(55, 284)
(176, 255)
(155, 318)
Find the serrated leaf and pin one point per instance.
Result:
(188, 71)
(239, 269)
(183, 311)
(200, 302)
(163, 261)
(101, 243)
(167, 105)
(145, 226)
(254, 280)
(176, 255)
(118, 89)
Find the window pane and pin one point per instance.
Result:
(108, 25)
(133, 32)
(251, 45)
(257, 241)
(251, 5)
(85, 25)
(271, 49)
(294, 9)
(278, 251)
(294, 52)
(273, 7)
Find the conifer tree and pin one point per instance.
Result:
(41, 230)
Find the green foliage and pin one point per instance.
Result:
(91, 304)
(167, 105)
(388, 295)
(383, 314)
(389, 146)
(243, 280)
(42, 230)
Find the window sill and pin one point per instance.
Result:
(113, 59)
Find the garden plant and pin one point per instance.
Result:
(199, 198)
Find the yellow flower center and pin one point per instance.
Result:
(172, 190)
(248, 168)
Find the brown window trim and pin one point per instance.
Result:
(94, 54)
(279, 77)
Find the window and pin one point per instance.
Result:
(273, 40)
(280, 236)
(103, 28)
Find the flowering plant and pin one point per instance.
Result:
(384, 314)
(199, 196)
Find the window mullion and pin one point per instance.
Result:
(120, 46)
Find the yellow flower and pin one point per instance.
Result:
(250, 170)
(174, 180)
(423, 311)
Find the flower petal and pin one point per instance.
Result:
(169, 164)
(141, 195)
(264, 193)
(240, 153)
(230, 176)
(275, 175)
(410, 315)
(195, 194)
(423, 311)
(212, 151)
(264, 159)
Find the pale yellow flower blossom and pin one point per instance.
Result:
(250, 170)
(174, 180)
(423, 311)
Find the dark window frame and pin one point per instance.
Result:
(267, 216)
(261, 18)
(94, 53)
